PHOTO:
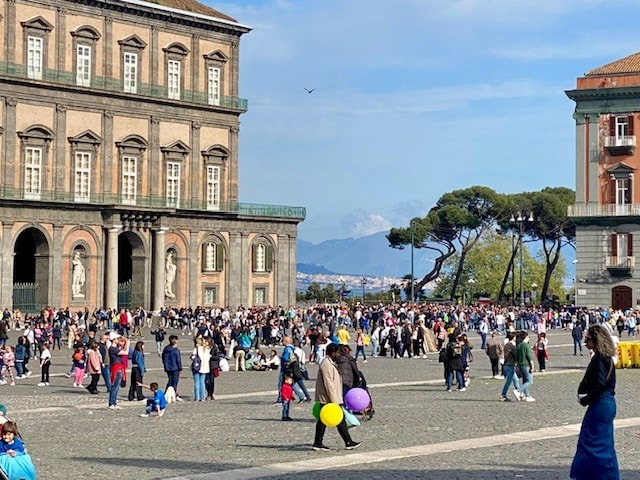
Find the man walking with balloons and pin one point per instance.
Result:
(329, 402)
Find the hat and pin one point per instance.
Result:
(114, 335)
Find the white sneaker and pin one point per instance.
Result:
(529, 399)
(144, 415)
(29, 373)
(41, 384)
(179, 399)
(75, 384)
(517, 394)
(46, 383)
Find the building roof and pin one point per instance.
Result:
(193, 6)
(630, 64)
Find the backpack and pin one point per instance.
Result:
(442, 356)
(196, 363)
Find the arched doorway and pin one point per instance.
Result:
(132, 264)
(31, 271)
(621, 298)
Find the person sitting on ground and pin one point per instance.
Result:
(157, 404)
(273, 362)
(260, 362)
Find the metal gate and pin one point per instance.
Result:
(24, 297)
(124, 294)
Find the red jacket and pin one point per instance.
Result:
(286, 392)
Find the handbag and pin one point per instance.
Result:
(350, 418)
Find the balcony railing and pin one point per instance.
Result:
(629, 210)
(625, 262)
(153, 201)
(620, 141)
(110, 84)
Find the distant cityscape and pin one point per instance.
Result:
(351, 282)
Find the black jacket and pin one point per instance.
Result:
(348, 369)
(600, 377)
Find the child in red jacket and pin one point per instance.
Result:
(286, 393)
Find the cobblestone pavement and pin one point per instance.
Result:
(72, 434)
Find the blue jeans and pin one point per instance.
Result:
(285, 409)
(19, 368)
(113, 393)
(483, 336)
(527, 380)
(577, 344)
(375, 347)
(510, 375)
(198, 386)
(360, 349)
(459, 379)
(302, 388)
(172, 380)
(106, 376)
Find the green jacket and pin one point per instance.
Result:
(524, 354)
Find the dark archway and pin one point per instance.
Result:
(621, 298)
(31, 271)
(132, 264)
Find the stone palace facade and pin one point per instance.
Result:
(119, 161)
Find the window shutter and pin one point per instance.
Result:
(629, 244)
(612, 191)
(219, 257)
(269, 258)
(630, 129)
(254, 259)
(612, 126)
(629, 198)
(203, 257)
(614, 244)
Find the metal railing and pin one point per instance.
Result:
(621, 262)
(628, 210)
(620, 141)
(111, 84)
(154, 201)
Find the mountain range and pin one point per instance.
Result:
(366, 256)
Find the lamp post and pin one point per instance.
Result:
(364, 282)
(534, 286)
(413, 293)
(575, 283)
(520, 221)
(471, 283)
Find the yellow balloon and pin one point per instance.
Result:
(331, 414)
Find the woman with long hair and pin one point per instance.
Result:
(138, 369)
(595, 455)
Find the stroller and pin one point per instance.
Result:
(367, 413)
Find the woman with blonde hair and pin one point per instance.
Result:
(200, 367)
(595, 454)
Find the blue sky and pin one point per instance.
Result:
(413, 99)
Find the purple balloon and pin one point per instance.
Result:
(357, 399)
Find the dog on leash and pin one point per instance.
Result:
(170, 395)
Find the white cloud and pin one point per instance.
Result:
(361, 224)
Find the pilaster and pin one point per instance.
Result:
(235, 67)
(155, 170)
(107, 45)
(196, 164)
(7, 265)
(233, 165)
(233, 277)
(111, 277)
(158, 269)
(195, 62)
(108, 162)
(10, 30)
(281, 295)
(56, 269)
(61, 40)
(9, 143)
(60, 165)
(194, 269)
(154, 56)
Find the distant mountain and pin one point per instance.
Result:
(369, 256)
(313, 269)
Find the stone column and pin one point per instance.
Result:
(10, 31)
(56, 270)
(61, 31)
(235, 67)
(111, 278)
(107, 44)
(196, 166)
(153, 54)
(156, 170)
(60, 164)
(158, 269)
(246, 294)
(195, 62)
(232, 166)
(233, 276)
(7, 265)
(283, 271)
(9, 146)
(107, 160)
(194, 269)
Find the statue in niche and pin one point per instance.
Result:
(78, 275)
(170, 275)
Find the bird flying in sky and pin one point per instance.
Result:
(309, 91)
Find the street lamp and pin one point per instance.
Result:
(520, 221)
(413, 293)
(575, 283)
(471, 283)
(534, 286)
(364, 282)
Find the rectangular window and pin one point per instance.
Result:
(83, 69)
(213, 86)
(35, 46)
(130, 72)
(32, 173)
(623, 193)
(173, 79)
(260, 296)
(210, 296)
(82, 180)
(129, 179)
(173, 184)
(261, 255)
(213, 187)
